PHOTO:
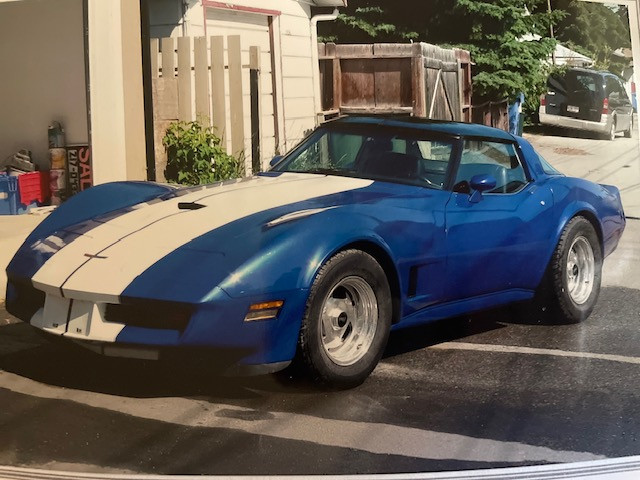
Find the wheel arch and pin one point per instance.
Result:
(593, 219)
(582, 210)
(384, 259)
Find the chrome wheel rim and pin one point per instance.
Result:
(348, 320)
(580, 270)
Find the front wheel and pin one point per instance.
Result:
(347, 320)
(572, 284)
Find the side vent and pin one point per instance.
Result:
(413, 281)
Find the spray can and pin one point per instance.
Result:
(58, 163)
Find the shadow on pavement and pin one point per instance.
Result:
(25, 353)
(548, 131)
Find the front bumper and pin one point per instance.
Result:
(575, 123)
(217, 327)
(221, 361)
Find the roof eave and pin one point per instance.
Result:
(330, 3)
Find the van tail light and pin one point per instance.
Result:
(543, 100)
(605, 107)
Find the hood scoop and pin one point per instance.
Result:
(190, 206)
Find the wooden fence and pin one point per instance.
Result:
(493, 114)
(418, 79)
(413, 79)
(199, 79)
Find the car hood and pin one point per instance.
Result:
(108, 253)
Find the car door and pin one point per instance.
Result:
(497, 239)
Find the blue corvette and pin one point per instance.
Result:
(369, 224)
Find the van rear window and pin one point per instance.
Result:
(574, 81)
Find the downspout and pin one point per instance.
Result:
(184, 8)
(317, 101)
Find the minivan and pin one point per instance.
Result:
(587, 100)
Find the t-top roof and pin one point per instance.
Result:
(455, 129)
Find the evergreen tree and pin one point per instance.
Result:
(508, 45)
(500, 35)
(595, 30)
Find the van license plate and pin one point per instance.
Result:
(572, 109)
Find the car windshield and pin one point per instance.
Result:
(393, 157)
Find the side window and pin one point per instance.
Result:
(613, 89)
(546, 166)
(491, 158)
(623, 93)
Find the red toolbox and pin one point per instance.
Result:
(34, 187)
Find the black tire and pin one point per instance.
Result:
(611, 134)
(560, 299)
(629, 132)
(344, 270)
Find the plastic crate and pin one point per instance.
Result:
(9, 195)
(34, 187)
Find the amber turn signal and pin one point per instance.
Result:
(263, 311)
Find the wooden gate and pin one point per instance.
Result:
(443, 78)
(418, 79)
(199, 79)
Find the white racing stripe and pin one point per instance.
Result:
(133, 242)
(61, 266)
(481, 347)
(376, 438)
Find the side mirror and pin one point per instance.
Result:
(275, 160)
(479, 184)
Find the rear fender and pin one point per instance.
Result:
(573, 210)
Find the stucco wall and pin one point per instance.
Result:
(42, 75)
(115, 74)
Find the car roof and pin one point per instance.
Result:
(595, 72)
(454, 129)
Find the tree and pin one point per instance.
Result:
(596, 30)
(507, 43)
(500, 35)
(366, 23)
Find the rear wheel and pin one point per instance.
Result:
(629, 132)
(347, 320)
(611, 134)
(571, 286)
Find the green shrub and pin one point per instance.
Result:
(195, 155)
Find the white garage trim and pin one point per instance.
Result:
(240, 8)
